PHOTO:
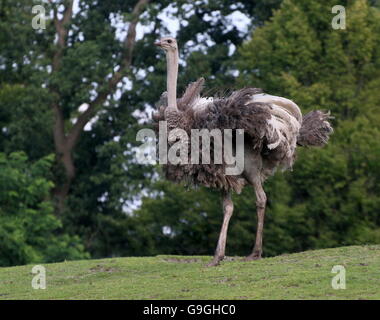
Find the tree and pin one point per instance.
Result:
(101, 81)
(28, 226)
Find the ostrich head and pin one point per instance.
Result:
(167, 44)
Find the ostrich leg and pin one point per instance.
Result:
(228, 208)
(261, 200)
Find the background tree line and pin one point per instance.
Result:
(73, 96)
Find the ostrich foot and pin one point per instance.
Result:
(253, 256)
(214, 262)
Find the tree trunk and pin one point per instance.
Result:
(65, 142)
(61, 191)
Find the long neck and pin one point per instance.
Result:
(172, 73)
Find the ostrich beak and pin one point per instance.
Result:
(157, 43)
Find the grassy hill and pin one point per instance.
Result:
(305, 275)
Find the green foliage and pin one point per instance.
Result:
(25, 120)
(28, 227)
(298, 54)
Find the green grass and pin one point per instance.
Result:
(305, 275)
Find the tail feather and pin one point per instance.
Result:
(315, 130)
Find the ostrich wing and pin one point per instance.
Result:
(281, 102)
(238, 111)
(191, 94)
(267, 120)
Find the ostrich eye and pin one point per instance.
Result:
(169, 41)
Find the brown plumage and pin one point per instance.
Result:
(273, 127)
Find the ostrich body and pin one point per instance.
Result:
(273, 127)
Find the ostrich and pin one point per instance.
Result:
(273, 128)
